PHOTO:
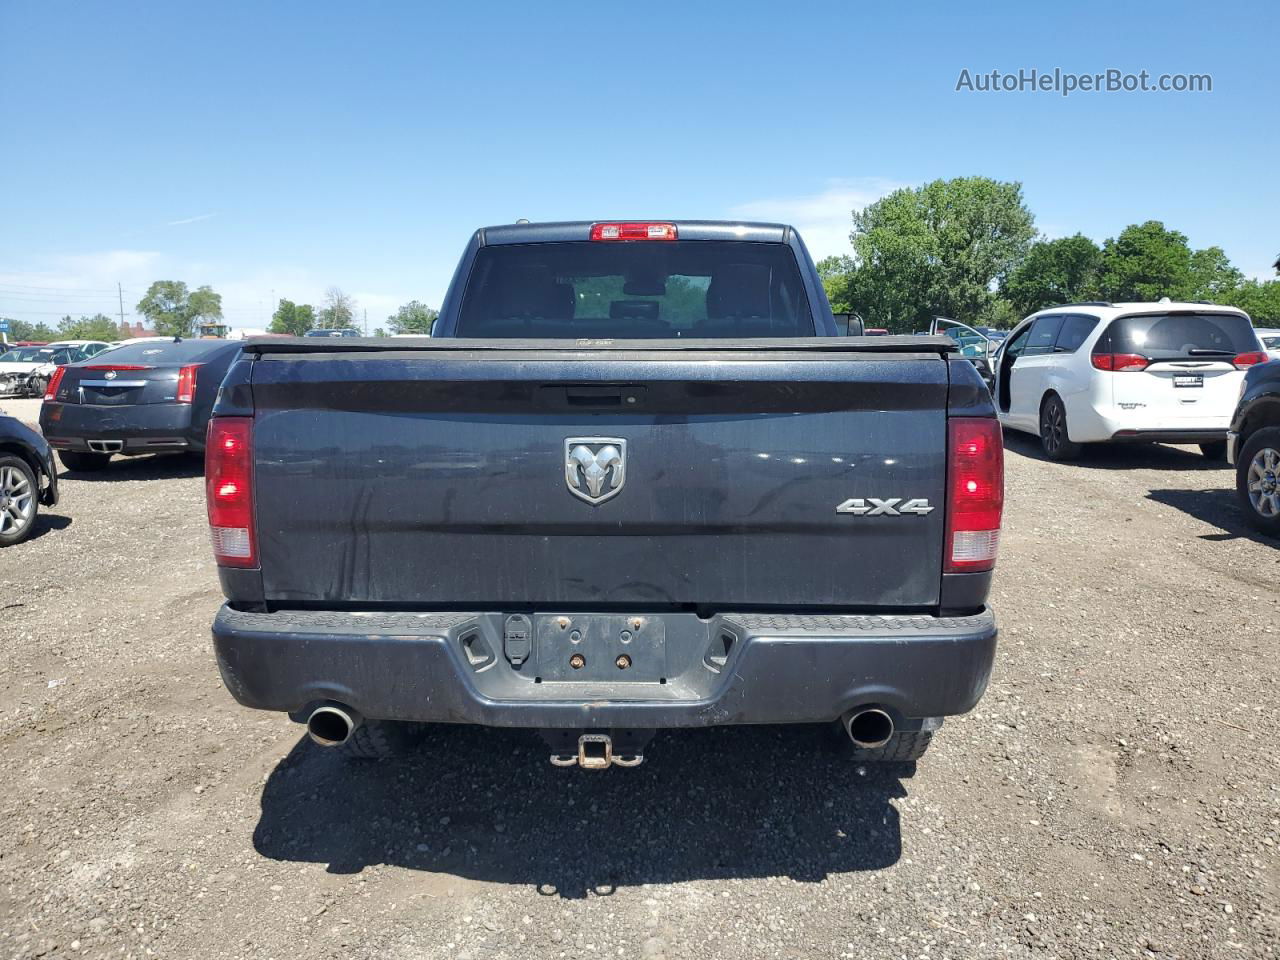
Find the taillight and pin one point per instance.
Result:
(116, 366)
(1120, 362)
(55, 381)
(975, 497)
(633, 231)
(1244, 360)
(228, 483)
(187, 382)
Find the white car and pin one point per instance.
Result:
(24, 371)
(1270, 341)
(1125, 372)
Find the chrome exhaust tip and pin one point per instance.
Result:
(332, 725)
(869, 729)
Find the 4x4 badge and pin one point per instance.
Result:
(875, 507)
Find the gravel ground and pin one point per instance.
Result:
(1116, 793)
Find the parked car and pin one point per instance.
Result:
(27, 479)
(148, 397)
(82, 349)
(1125, 373)
(344, 332)
(738, 520)
(1270, 339)
(1253, 447)
(25, 371)
(974, 343)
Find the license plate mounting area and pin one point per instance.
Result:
(600, 647)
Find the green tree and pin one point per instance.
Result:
(1066, 270)
(204, 305)
(837, 279)
(293, 319)
(173, 310)
(97, 327)
(1212, 275)
(937, 249)
(413, 317)
(338, 310)
(23, 330)
(1261, 300)
(1147, 262)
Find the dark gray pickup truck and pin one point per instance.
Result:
(634, 481)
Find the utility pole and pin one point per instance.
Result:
(120, 294)
(366, 322)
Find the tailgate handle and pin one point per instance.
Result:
(614, 396)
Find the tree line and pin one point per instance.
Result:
(338, 312)
(171, 309)
(968, 249)
(97, 327)
(174, 310)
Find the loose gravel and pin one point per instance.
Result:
(1115, 794)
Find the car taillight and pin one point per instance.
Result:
(187, 382)
(975, 497)
(116, 366)
(633, 231)
(1120, 362)
(228, 482)
(55, 381)
(1245, 360)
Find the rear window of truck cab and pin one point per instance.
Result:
(1179, 336)
(641, 291)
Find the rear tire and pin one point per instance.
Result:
(1258, 480)
(383, 740)
(19, 500)
(1054, 439)
(84, 462)
(1217, 450)
(901, 748)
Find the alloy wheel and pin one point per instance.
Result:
(1263, 482)
(1051, 427)
(17, 500)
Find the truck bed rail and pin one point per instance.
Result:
(794, 347)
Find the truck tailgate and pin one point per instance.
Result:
(454, 479)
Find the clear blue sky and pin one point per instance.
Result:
(274, 149)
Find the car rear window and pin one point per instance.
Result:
(1176, 336)
(160, 352)
(683, 288)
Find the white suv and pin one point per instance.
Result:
(1125, 372)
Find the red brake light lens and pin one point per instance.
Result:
(633, 231)
(1120, 362)
(55, 381)
(187, 383)
(228, 479)
(116, 366)
(1249, 359)
(975, 493)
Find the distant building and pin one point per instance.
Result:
(130, 330)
